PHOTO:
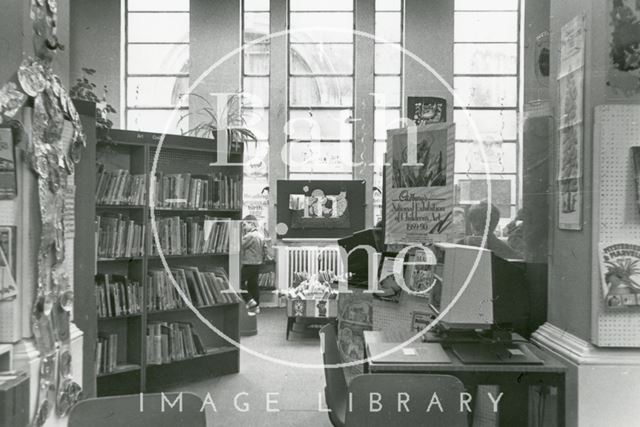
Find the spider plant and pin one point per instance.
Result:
(206, 119)
(85, 89)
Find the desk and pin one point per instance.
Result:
(513, 380)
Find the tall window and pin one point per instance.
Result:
(320, 83)
(387, 86)
(486, 66)
(255, 84)
(157, 64)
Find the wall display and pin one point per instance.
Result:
(423, 110)
(8, 290)
(51, 153)
(8, 235)
(324, 209)
(255, 188)
(620, 270)
(635, 153)
(570, 123)
(419, 197)
(624, 41)
(8, 180)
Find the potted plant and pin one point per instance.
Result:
(84, 89)
(206, 118)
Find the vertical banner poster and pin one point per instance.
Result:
(419, 184)
(570, 123)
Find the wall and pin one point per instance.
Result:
(95, 43)
(429, 35)
(571, 251)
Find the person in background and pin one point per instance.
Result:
(252, 257)
(514, 233)
(477, 217)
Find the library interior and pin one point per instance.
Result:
(212, 213)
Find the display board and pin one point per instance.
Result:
(418, 199)
(616, 218)
(320, 209)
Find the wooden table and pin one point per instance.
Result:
(514, 380)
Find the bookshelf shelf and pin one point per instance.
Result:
(122, 206)
(122, 369)
(175, 310)
(125, 317)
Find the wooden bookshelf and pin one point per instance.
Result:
(135, 152)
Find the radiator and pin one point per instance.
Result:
(309, 259)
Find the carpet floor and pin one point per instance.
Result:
(298, 391)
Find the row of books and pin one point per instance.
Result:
(117, 295)
(212, 191)
(107, 354)
(119, 236)
(267, 280)
(192, 235)
(200, 288)
(167, 342)
(120, 187)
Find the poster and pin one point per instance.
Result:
(419, 184)
(8, 180)
(424, 110)
(624, 41)
(570, 124)
(620, 271)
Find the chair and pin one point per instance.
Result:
(418, 391)
(126, 411)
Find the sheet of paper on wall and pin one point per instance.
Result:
(620, 272)
(572, 45)
(8, 180)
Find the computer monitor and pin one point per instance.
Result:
(496, 296)
(358, 261)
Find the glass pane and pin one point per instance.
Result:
(335, 27)
(486, 27)
(379, 150)
(485, 58)
(156, 120)
(256, 5)
(387, 91)
(501, 124)
(256, 25)
(256, 158)
(394, 5)
(383, 120)
(306, 5)
(473, 189)
(158, 5)
(158, 27)
(500, 157)
(321, 91)
(256, 90)
(388, 27)
(388, 58)
(323, 157)
(320, 125)
(158, 59)
(321, 59)
(157, 91)
(256, 59)
(321, 176)
(486, 91)
(486, 5)
(257, 121)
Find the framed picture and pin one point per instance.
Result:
(423, 110)
(8, 245)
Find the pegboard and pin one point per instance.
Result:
(616, 215)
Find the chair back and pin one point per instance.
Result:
(153, 409)
(377, 401)
(335, 391)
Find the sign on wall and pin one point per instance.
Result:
(419, 184)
